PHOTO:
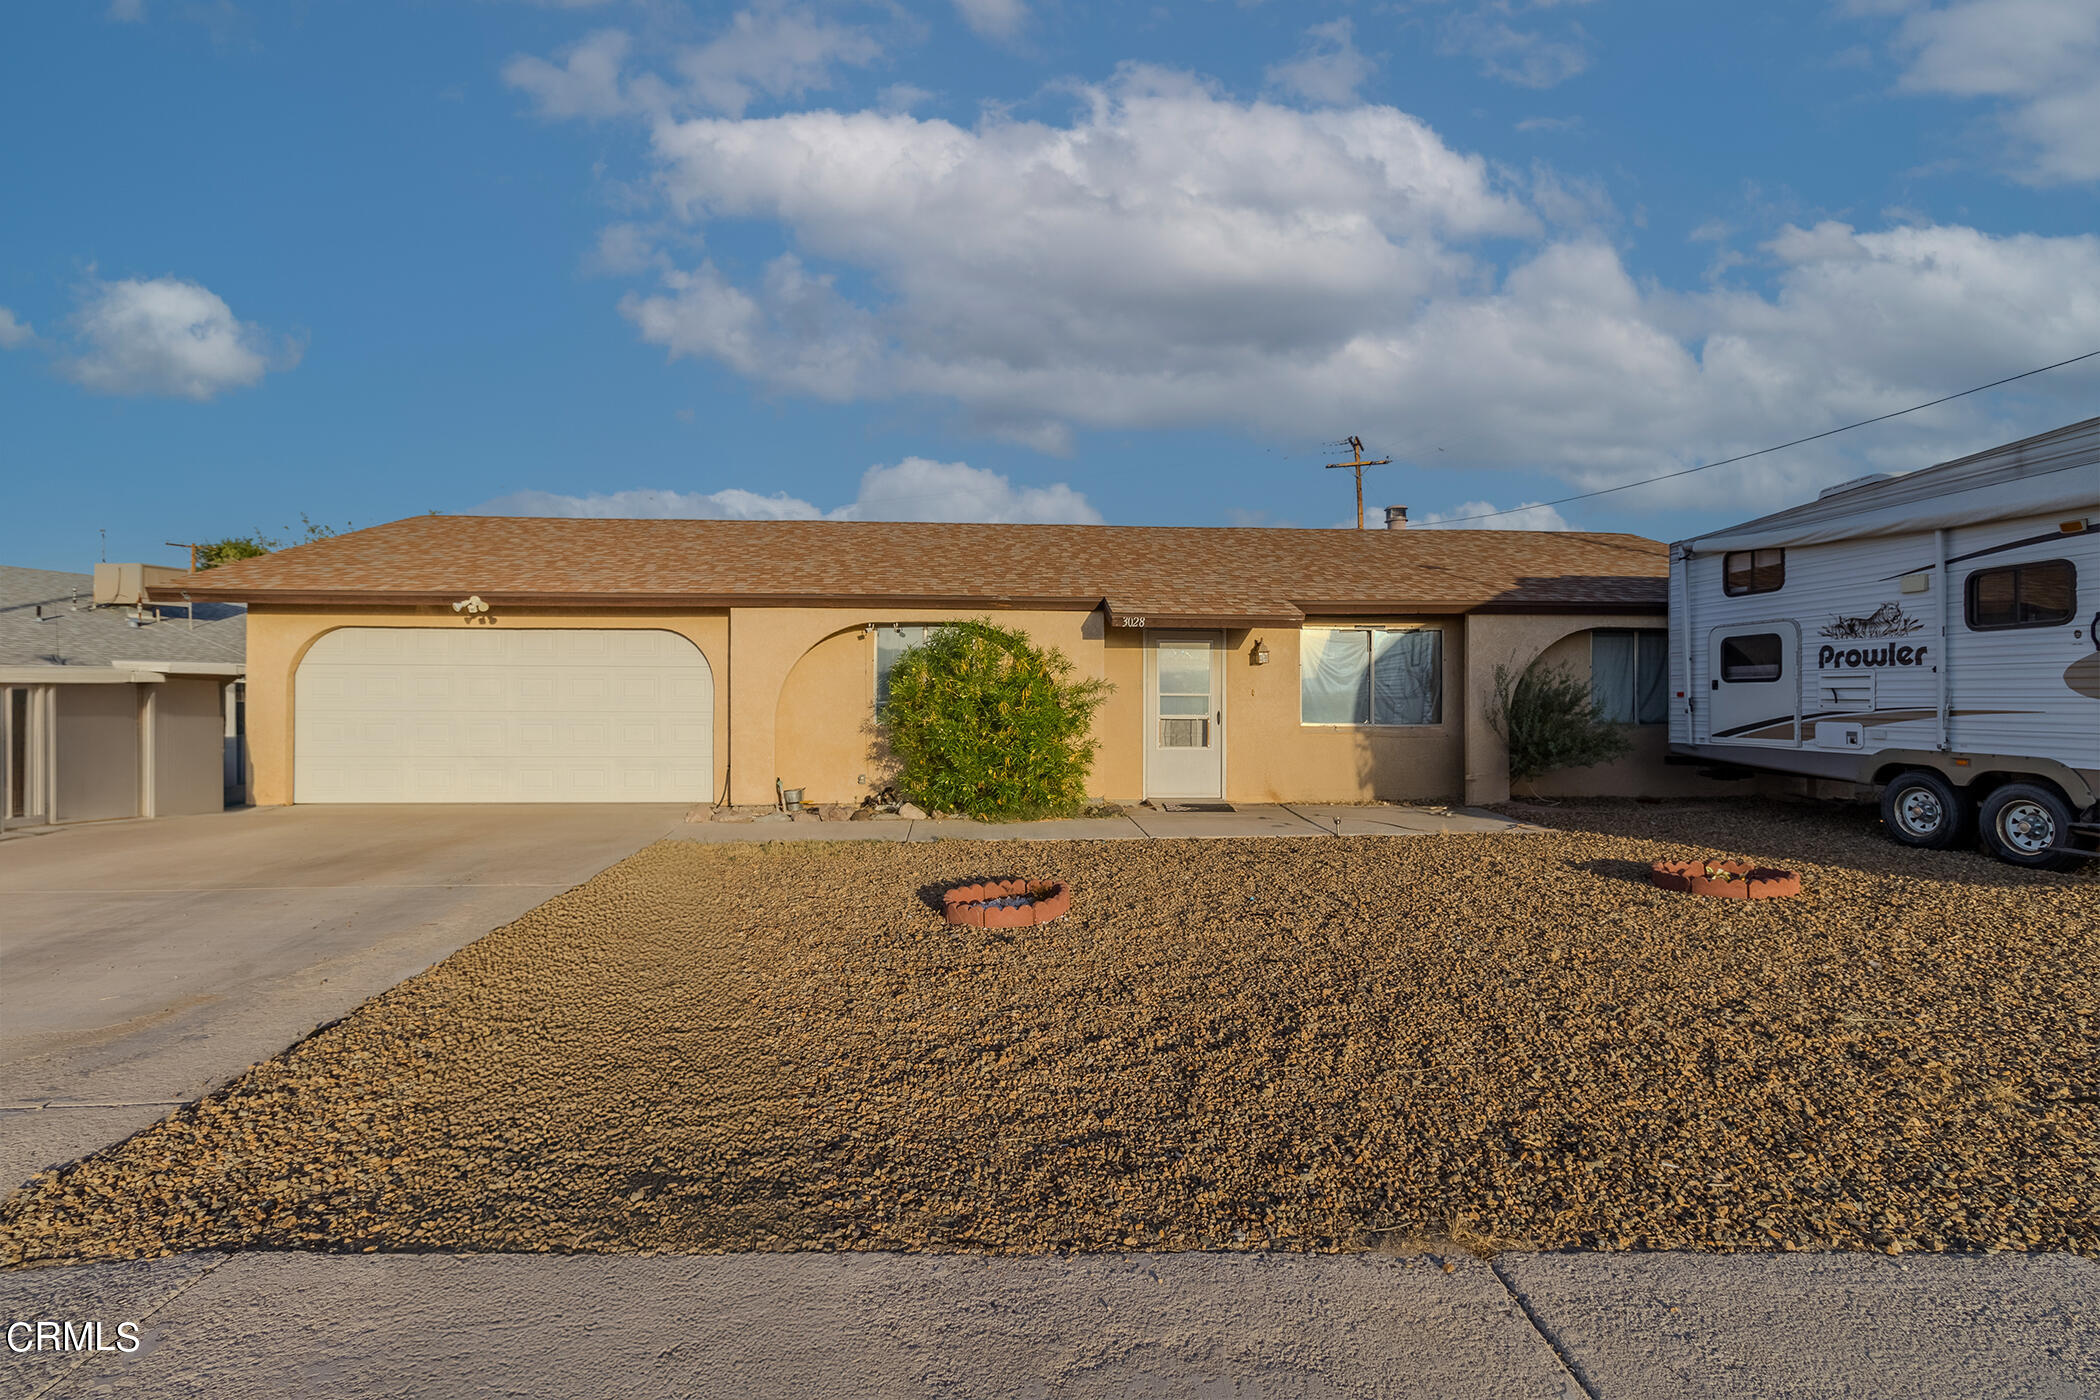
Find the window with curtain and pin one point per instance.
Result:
(1371, 675)
(1630, 675)
(891, 642)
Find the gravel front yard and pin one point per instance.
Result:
(1299, 1044)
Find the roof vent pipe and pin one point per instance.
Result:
(1396, 517)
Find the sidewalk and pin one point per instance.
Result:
(1136, 824)
(1089, 1327)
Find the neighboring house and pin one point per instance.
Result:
(120, 708)
(462, 659)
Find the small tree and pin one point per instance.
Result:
(216, 552)
(1551, 720)
(982, 721)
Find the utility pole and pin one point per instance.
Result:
(193, 548)
(1358, 462)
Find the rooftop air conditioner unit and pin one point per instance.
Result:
(129, 585)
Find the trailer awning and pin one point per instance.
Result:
(2073, 492)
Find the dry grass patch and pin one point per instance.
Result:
(1301, 1044)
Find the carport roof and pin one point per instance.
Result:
(1166, 576)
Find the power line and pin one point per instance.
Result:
(1762, 451)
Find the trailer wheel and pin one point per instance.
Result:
(1921, 808)
(2027, 824)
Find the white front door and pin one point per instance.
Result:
(1755, 683)
(1185, 715)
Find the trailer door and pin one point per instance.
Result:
(1756, 683)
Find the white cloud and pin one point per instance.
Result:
(585, 84)
(624, 249)
(770, 50)
(168, 337)
(998, 20)
(127, 11)
(1508, 47)
(733, 503)
(14, 334)
(1328, 69)
(902, 97)
(2039, 59)
(914, 489)
(1170, 256)
(1166, 237)
(1485, 515)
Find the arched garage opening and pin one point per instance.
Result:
(494, 714)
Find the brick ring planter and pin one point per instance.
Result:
(1007, 903)
(1726, 879)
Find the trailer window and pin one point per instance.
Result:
(1753, 571)
(2043, 594)
(1755, 658)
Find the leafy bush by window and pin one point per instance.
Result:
(980, 720)
(1551, 720)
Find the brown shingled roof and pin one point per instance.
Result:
(1166, 575)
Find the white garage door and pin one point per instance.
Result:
(494, 714)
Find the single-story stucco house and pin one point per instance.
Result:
(500, 659)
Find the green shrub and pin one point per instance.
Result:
(982, 721)
(1551, 721)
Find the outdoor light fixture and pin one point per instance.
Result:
(470, 604)
(1260, 655)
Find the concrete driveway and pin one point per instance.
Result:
(145, 963)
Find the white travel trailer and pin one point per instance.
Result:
(1933, 632)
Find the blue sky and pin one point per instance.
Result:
(1020, 259)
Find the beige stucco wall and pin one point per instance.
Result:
(1119, 725)
(279, 635)
(1270, 756)
(1515, 640)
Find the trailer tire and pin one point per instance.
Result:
(2028, 824)
(1921, 808)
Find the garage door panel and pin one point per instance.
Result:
(488, 715)
(582, 689)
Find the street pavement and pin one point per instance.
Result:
(1088, 1327)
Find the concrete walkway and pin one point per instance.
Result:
(1090, 1327)
(1136, 824)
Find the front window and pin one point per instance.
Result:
(1629, 675)
(1753, 571)
(891, 642)
(1371, 675)
(2043, 594)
